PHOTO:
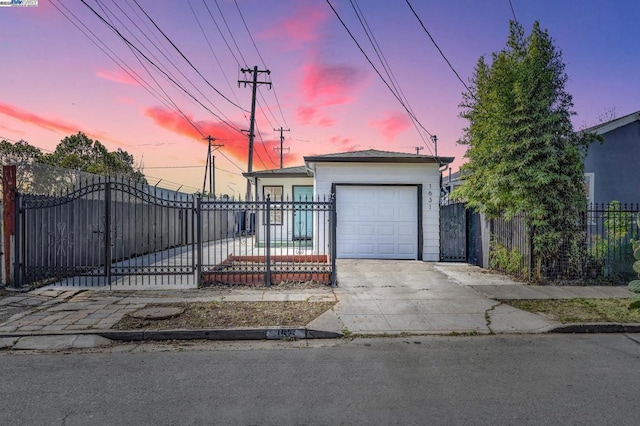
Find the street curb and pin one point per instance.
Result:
(597, 328)
(199, 334)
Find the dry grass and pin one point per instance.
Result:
(232, 314)
(580, 310)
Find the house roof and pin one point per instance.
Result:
(376, 156)
(614, 124)
(298, 171)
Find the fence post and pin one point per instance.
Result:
(9, 217)
(333, 243)
(198, 240)
(267, 278)
(532, 257)
(107, 232)
(18, 241)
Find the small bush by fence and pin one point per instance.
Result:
(603, 253)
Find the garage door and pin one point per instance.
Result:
(377, 222)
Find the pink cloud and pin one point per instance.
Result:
(126, 100)
(392, 125)
(235, 144)
(336, 140)
(300, 28)
(3, 127)
(52, 124)
(326, 122)
(37, 120)
(306, 114)
(330, 84)
(323, 86)
(118, 76)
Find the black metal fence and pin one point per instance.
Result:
(603, 253)
(109, 232)
(292, 241)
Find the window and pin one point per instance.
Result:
(275, 194)
(589, 187)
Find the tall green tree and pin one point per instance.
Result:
(22, 155)
(523, 154)
(79, 152)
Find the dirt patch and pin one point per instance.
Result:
(580, 310)
(231, 314)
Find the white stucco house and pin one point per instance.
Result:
(387, 203)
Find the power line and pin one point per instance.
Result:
(513, 11)
(249, 32)
(221, 34)
(171, 101)
(110, 53)
(136, 76)
(230, 33)
(119, 34)
(195, 15)
(186, 59)
(265, 66)
(439, 50)
(385, 64)
(157, 45)
(376, 69)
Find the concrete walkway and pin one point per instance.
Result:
(392, 297)
(374, 297)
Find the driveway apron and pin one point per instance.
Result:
(395, 296)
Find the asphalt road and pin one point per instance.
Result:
(515, 380)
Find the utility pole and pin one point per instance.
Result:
(254, 85)
(434, 138)
(281, 142)
(418, 149)
(209, 167)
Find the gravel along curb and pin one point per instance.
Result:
(597, 328)
(226, 334)
(203, 334)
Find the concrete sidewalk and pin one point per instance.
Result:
(392, 297)
(374, 297)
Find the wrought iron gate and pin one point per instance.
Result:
(112, 233)
(453, 233)
(106, 233)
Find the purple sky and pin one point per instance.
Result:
(56, 81)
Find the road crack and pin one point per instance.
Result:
(487, 317)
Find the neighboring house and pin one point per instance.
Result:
(387, 203)
(450, 182)
(611, 167)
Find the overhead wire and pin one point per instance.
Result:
(204, 33)
(108, 51)
(440, 50)
(134, 74)
(259, 104)
(186, 59)
(265, 65)
(513, 12)
(387, 68)
(230, 33)
(170, 100)
(178, 85)
(221, 34)
(158, 45)
(376, 69)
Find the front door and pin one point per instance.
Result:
(302, 213)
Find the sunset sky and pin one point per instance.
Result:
(175, 78)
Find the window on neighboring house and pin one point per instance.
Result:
(589, 187)
(275, 194)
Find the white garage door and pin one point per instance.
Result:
(377, 222)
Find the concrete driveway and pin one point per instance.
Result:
(396, 296)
